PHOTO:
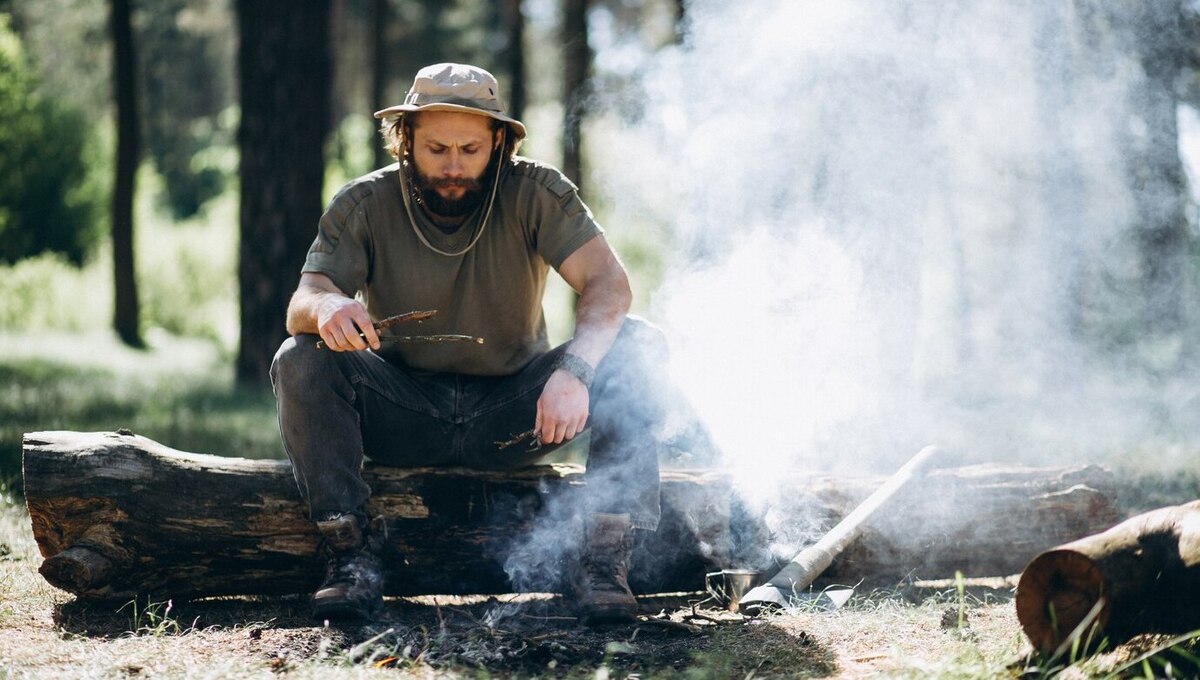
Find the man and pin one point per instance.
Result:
(464, 226)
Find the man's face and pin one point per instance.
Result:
(451, 152)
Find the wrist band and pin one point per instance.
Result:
(577, 367)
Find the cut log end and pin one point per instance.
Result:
(1055, 594)
(77, 569)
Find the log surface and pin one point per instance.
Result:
(116, 514)
(981, 520)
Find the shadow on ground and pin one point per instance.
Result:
(522, 635)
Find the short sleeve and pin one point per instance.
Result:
(563, 222)
(342, 249)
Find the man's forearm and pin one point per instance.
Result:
(599, 314)
(303, 308)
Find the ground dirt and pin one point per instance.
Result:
(907, 632)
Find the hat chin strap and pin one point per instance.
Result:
(405, 194)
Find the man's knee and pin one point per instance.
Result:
(643, 341)
(295, 361)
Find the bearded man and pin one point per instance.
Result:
(464, 226)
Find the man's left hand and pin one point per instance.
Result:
(562, 410)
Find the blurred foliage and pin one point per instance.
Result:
(48, 199)
(185, 53)
(186, 271)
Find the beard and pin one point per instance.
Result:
(426, 190)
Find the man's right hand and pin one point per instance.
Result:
(339, 322)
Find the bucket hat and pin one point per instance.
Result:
(455, 87)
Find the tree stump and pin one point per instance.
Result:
(1143, 575)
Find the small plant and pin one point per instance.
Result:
(154, 619)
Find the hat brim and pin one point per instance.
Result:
(517, 126)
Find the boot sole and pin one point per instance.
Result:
(608, 615)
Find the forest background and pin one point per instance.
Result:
(865, 226)
(970, 224)
(91, 240)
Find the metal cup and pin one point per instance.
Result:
(729, 585)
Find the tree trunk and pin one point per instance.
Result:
(284, 67)
(1150, 144)
(126, 308)
(577, 66)
(380, 16)
(117, 515)
(514, 55)
(1143, 575)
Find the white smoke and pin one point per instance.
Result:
(896, 223)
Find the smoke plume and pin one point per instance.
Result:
(902, 223)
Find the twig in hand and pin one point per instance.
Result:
(444, 337)
(518, 438)
(390, 321)
(403, 318)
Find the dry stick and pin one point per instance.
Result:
(671, 625)
(517, 439)
(402, 318)
(710, 619)
(444, 337)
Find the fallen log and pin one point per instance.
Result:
(116, 514)
(980, 520)
(1142, 575)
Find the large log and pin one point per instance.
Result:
(116, 514)
(1142, 575)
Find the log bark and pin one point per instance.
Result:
(1144, 574)
(116, 514)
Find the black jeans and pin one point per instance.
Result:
(337, 407)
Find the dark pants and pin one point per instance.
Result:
(337, 407)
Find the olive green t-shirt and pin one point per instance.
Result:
(367, 246)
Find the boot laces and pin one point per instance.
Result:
(603, 570)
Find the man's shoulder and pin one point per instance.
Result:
(529, 172)
(362, 188)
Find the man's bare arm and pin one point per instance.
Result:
(319, 307)
(604, 297)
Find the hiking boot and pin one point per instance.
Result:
(600, 579)
(353, 586)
